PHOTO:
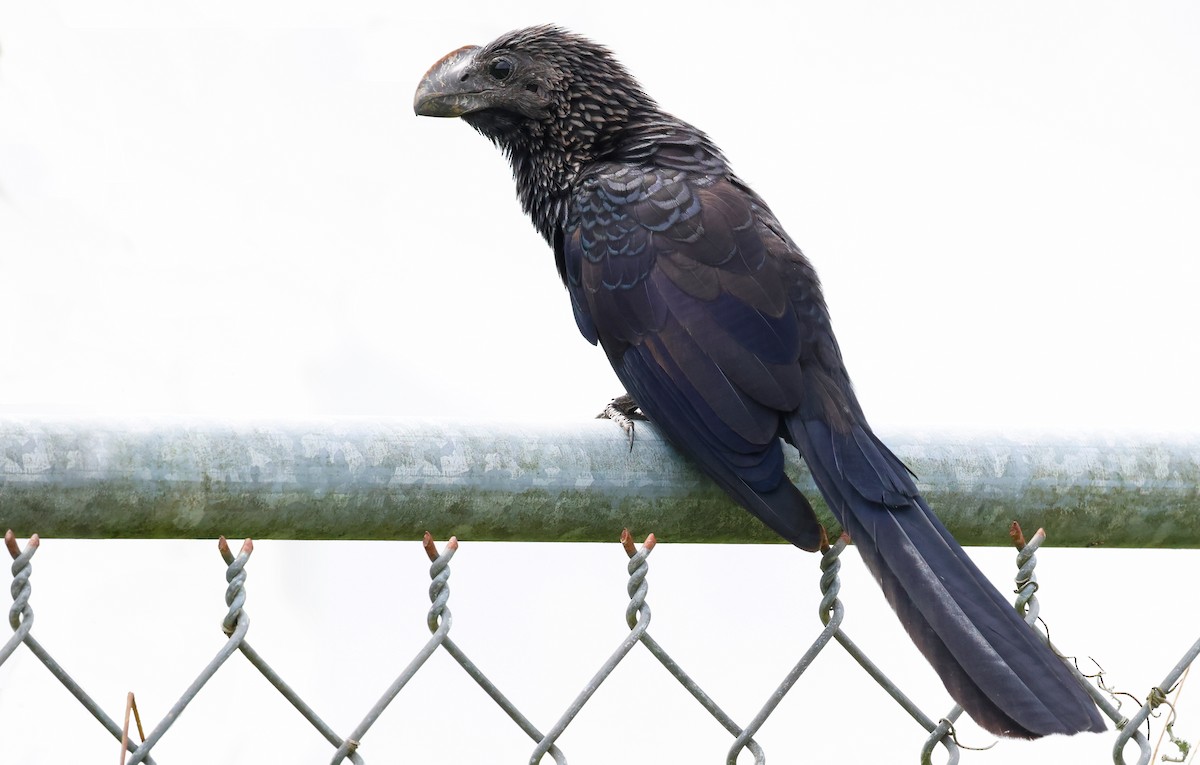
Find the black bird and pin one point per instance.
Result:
(715, 322)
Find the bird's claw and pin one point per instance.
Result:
(623, 410)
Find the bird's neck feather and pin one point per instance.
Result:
(548, 158)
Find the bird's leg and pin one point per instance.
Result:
(623, 410)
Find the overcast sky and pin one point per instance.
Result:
(227, 210)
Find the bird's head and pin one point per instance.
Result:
(526, 82)
(553, 101)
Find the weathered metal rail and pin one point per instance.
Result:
(396, 479)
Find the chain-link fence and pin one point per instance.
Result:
(1169, 465)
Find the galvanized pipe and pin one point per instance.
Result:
(396, 479)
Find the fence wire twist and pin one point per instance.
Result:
(831, 611)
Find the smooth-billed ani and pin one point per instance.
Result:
(714, 321)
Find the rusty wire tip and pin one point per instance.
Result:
(1016, 535)
(10, 541)
(627, 543)
(650, 542)
(452, 543)
(223, 546)
(430, 548)
(824, 544)
(248, 546)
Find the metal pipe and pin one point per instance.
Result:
(395, 479)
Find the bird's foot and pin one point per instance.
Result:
(623, 410)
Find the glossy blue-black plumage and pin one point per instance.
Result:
(714, 321)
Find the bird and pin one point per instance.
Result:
(715, 323)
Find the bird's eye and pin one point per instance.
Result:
(501, 68)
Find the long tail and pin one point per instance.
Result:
(991, 662)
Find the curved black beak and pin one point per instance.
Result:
(448, 89)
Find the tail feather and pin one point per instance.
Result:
(991, 662)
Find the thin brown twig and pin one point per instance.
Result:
(130, 706)
(1178, 692)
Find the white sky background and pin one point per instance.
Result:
(227, 210)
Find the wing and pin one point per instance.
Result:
(693, 297)
(715, 323)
